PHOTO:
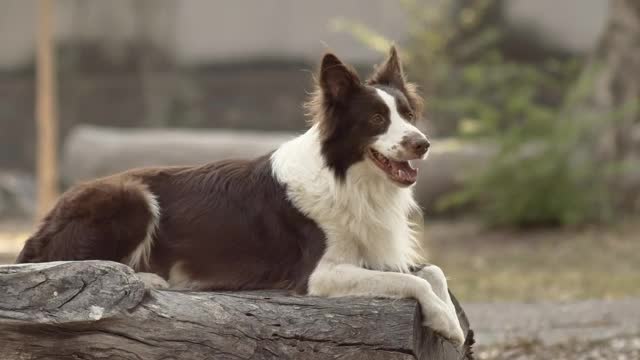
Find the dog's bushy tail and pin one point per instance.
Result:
(109, 219)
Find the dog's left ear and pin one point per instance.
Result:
(337, 80)
(389, 73)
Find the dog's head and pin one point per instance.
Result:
(371, 121)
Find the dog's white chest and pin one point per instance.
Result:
(364, 218)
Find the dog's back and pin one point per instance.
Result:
(225, 225)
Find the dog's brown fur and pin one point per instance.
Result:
(263, 242)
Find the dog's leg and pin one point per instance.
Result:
(435, 276)
(105, 220)
(330, 279)
(152, 281)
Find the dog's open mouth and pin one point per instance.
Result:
(399, 171)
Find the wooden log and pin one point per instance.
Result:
(99, 309)
(92, 152)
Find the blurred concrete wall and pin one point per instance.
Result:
(203, 31)
(573, 25)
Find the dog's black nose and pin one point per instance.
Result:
(417, 144)
(420, 146)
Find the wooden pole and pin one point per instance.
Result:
(46, 109)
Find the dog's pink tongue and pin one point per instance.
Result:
(403, 172)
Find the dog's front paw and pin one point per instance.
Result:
(445, 324)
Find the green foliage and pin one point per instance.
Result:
(546, 170)
(549, 171)
(544, 173)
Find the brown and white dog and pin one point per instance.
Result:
(327, 213)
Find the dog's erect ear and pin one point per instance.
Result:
(337, 81)
(389, 73)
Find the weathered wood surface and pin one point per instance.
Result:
(98, 309)
(91, 152)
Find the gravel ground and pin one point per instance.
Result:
(593, 329)
(553, 323)
(622, 348)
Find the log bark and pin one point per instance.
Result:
(99, 309)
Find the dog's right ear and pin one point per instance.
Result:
(389, 73)
(337, 80)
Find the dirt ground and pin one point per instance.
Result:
(531, 269)
(549, 265)
(13, 233)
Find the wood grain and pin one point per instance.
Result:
(100, 310)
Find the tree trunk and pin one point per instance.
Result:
(606, 104)
(610, 84)
(98, 309)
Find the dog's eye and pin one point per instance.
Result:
(377, 119)
(409, 115)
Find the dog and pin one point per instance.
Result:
(326, 214)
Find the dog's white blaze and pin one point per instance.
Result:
(389, 143)
(139, 258)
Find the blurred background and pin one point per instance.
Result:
(532, 191)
